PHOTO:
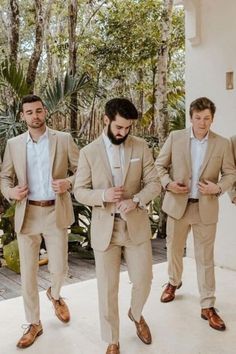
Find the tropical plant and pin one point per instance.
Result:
(7, 224)
(8, 238)
(10, 125)
(57, 95)
(13, 78)
(79, 237)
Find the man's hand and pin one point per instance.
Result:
(18, 192)
(114, 194)
(60, 185)
(177, 187)
(208, 187)
(126, 205)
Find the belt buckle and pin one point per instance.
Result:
(43, 203)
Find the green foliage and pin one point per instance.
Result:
(57, 95)
(177, 114)
(11, 256)
(154, 213)
(80, 238)
(7, 225)
(10, 125)
(118, 44)
(13, 77)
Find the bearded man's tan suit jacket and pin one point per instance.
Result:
(139, 179)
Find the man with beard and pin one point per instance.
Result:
(117, 177)
(35, 175)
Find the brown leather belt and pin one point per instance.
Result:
(193, 200)
(42, 203)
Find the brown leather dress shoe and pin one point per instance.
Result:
(113, 349)
(213, 318)
(169, 292)
(143, 331)
(61, 309)
(28, 338)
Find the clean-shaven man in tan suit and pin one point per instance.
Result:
(35, 174)
(195, 166)
(117, 177)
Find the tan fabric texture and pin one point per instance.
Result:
(139, 179)
(64, 156)
(232, 191)
(174, 164)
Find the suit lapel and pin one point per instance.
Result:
(187, 149)
(52, 137)
(104, 158)
(127, 151)
(210, 148)
(21, 151)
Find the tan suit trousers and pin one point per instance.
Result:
(38, 222)
(204, 237)
(139, 263)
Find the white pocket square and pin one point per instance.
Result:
(135, 160)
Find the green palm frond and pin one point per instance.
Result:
(10, 125)
(177, 114)
(57, 95)
(13, 77)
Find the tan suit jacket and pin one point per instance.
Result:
(174, 164)
(94, 176)
(232, 191)
(64, 156)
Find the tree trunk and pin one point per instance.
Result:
(40, 19)
(141, 92)
(161, 108)
(152, 123)
(14, 31)
(72, 18)
(162, 121)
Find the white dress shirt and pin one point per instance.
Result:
(109, 148)
(198, 151)
(38, 169)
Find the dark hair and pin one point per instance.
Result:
(200, 104)
(121, 106)
(30, 99)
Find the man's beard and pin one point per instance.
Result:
(112, 137)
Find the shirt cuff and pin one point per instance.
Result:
(103, 196)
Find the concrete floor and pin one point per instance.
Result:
(176, 327)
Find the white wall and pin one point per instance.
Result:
(206, 65)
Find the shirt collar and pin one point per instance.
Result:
(200, 141)
(45, 135)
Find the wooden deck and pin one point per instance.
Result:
(79, 270)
